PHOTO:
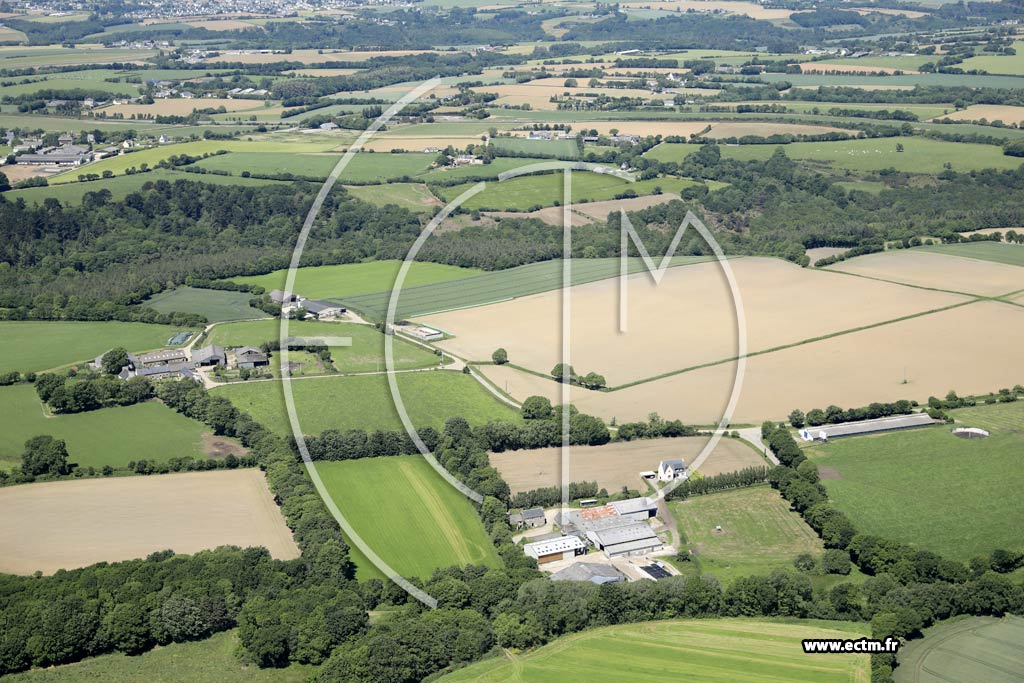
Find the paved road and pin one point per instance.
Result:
(753, 435)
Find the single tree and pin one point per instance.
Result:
(114, 359)
(797, 418)
(500, 356)
(563, 372)
(536, 408)
(45, 455)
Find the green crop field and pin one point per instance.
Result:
(217, 305)
(759, 532)
(684, 650)
(413, 196)
(495, 286)
(948, 80)
(121, 186)
(357, 279)
(362, 168)
(999, 417)
(563, 149)
(999, 252)
(920, 155)
(110, 436)
(213, 660)
(529, 192)
(1012, 65)
(66, 83)
(497, 166)
(365, 402)
(34, 346)
(366, 354)
(965, 651)
(407, 514)
(930, 489)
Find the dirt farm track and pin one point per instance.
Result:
(70, 524)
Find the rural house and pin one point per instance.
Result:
(528, 519)
(671, 469)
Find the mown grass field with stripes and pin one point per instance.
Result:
(685, 650)
(413, 519)
(965, 651)
(500, 285)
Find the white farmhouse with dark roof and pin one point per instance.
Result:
(671, 469)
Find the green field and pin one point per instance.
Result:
(562, 149)
(1012, 65)
(413, 196)
(495, 286)
(356, 279)
(109, 436)
(705, 650)
(121, 186)
(497, 166)
(34, 346)
(948, 80)
(216, 305)
(964, 651)
(213, 660)
(930, 489)
(64, 83)
(362, 168)
(366, 354)
(920, 155)
(759, 532)
(364, 401)
(528, 192)
(999, 252)
(407, 514)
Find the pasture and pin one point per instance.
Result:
(407, 514)
(738, 129)
(36, 345)
(365, 402)
(963, 651)
(70, 524)
(759, 532)
(415, 197)
(213, 660)
(930, 489)
(1012, 65)
(996, 252)
(617, 464)
(534, 191)
(530, 327)
(121, 186)
(958, 268)
(109, 436)
(681, 650)
(363, 168)
(562, 149)
(357, 279)
(920, 155)
(366, 354)
(492, 287)
(214, 304)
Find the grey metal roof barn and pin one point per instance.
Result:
(883, 424)
(594, 572)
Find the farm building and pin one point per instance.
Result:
(250, 357)
(635, 508)
(594, 572)
(634, 538)
(279, 297)
(883, 424)
(210, 355)
(322, 310)
(562, 548)
(424, 333)
(671, 469)
(180, 370)
(68, 155)
(528, 519)
(163, 357)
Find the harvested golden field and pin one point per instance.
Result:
(309, 56)
(643, 128)
(909, 13)
(750, 9)
(618, 464)
(989, 231)
(69, 524)
(18, 172)
(538, 96)
(936, 353)
(700, 328)
(600, 210)
(417, 143)
(821, 67)
(823, 252)
(729, 129)
(989, 112)
(924, 269)
(181, 106)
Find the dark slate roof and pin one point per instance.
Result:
(533, 513)
(317, 307)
